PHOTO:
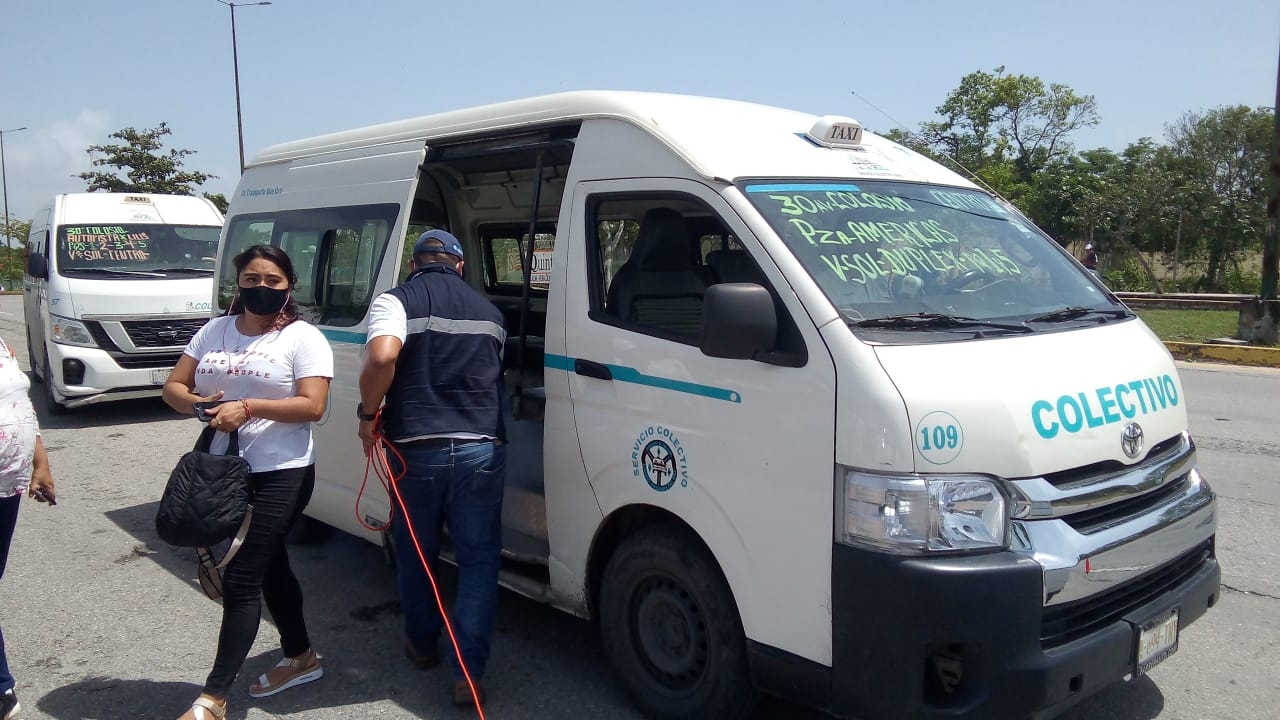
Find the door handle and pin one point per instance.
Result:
(592, 369)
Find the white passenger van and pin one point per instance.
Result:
(794, 409)
(115, 286)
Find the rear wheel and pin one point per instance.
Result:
(50, 401)
(672, 630)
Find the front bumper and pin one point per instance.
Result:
(961, 637)
(104, 378)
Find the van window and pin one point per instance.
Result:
(504, 247)
(653, 257)
(336, 253)
(882, 249)
(135, 250)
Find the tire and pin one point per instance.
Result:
(31, 360)
(672, 630)
(54, 407)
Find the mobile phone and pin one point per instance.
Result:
(200, 407)
(43, 495)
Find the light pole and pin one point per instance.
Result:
(235, 64)
(4, 186)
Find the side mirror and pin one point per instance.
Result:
(739, 321)
(37, 266)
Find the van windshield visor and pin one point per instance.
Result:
(137, 250)
(882, 249)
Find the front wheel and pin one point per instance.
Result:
(51, 401)
(672, 630)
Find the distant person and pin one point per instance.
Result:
(1090, 260)
(24, 467)
(434, 354)
(272, 372)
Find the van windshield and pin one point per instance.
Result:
(895, 256)
(137, 249)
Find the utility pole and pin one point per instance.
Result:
(4, 185)
(1271, 245)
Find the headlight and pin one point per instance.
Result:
(921, 513)
(71, 332)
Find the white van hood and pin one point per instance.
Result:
(190, 296)
(1026, 405)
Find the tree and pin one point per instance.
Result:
(13, 260)
(219, 201)
(1006, 128)
(145, 167)
(1222, 156)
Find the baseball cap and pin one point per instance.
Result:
(438, 241)
(1088, 246)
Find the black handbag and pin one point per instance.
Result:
(207, 500)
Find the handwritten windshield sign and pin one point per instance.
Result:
(859, 236)
(89, 243)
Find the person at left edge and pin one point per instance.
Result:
(24, 467)
(273, 369)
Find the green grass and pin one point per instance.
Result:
(1191, 326)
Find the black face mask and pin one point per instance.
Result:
(262, 300)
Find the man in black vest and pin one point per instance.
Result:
(434, 353)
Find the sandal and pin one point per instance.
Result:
(289, 672)
(205, 709)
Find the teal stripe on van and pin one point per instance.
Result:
(344, 336)
(622, 373)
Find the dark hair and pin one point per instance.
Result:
(280, 259)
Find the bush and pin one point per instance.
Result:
(1128, 276)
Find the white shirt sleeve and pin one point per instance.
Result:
(313, 357)
(387, 317)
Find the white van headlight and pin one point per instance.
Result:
(71, 332)
(920, 514)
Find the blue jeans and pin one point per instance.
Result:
(460, 484)
(8, 520)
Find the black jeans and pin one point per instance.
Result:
(8, 521)
(260, 572)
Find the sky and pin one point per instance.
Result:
(74, 71)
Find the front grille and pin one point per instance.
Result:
(1101, 518)
(1060, 624)
(133, 361)
(1087, 474)
(162, 333)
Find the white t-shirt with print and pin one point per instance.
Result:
(18, 426)
(266, 366)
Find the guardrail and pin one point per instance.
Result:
(1183, 301)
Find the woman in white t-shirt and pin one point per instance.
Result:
(271, 371)
(24, 467)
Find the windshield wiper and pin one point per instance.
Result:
(113, 271)
(205, 270)
(935, 321)
(1075, 313)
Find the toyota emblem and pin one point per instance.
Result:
(1131, 440)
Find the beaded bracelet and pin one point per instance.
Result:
(244, 402)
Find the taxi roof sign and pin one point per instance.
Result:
(139, 199)
(836, 131)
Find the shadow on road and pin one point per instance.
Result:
(104, 698)
(116, 412)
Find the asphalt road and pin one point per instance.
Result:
(103, 620)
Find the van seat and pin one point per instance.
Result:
(659, 286)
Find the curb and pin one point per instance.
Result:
(1234, 354)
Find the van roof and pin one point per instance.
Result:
(718, 138)
(101, 207)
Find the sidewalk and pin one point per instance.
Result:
(1233, 354)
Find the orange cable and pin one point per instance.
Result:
(377, 458)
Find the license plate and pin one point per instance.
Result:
(1157, 640)
(159, 376)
